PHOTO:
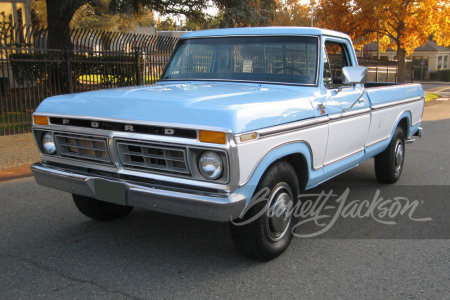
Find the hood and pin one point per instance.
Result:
(238, 107)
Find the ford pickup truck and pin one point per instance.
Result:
(236, 112)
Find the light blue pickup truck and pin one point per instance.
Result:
(241, 122)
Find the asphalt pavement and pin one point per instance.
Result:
(440, 88)
(48, 250)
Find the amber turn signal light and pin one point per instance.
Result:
(40, 120)
(214, 137)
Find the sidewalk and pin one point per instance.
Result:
(17, 153)
(432, 82)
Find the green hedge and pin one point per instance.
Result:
(441, 75)
(34, 66)
(445, 75)
(43, 66)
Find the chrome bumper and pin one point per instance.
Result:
(419, 132)
(222, 208)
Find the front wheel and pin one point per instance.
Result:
(100, 210)
(389, 163)
(265, 231)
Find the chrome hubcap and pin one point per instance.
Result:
(278, 215)
(398, 155)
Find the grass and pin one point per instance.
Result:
(93, 78)
(15, 117)
(8, 122)
(111, 79)
(430, 97)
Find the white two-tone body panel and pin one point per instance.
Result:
(386, 114)
(337, 141)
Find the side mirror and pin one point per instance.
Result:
(354, 75)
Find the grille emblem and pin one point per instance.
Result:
(95, 124)
(169, 131)
(129, 128)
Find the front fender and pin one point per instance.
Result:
(297, 147)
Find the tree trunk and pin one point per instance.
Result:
(59, 15)
(401, 55)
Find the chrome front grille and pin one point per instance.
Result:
(154, 157)
(83, 147)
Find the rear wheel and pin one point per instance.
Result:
(389, 163)
(270, 231)
(100, 210)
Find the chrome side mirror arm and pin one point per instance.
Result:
(353, 76)
(360, 100)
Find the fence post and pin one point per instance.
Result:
(69, 71)
(138, 69)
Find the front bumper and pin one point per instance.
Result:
(221, 208)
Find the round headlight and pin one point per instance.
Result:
(210, 165)
(48, 143)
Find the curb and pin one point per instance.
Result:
(15, 173)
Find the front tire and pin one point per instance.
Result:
(100, 210)
(389, 163)
(270, 233)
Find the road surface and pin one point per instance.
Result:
(48, 250)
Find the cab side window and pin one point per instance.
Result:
(336, 58)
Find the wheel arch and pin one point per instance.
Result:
(404, 121)
(298, 154)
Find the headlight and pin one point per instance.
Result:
(210, 165)
(48, 143)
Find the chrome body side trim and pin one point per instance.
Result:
(304, 124)
(285, 128)
(344, 157)
(396, 103)
(349, 114)
(374, 143)
(219, 207)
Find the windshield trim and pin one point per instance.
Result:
(318, 68)
(241, 81)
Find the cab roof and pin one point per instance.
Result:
(263, 31)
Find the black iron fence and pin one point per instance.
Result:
(90, 60)
(31, 71)
(380, 70)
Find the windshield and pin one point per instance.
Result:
(275, 59)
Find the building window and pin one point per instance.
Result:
(445, 62)
(439, 65)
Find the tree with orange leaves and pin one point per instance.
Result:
(291, 13)
(401, 24)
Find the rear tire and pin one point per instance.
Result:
(389, 163)
(267, 236)
(100, 210)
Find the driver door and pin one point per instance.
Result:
(349, 124)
